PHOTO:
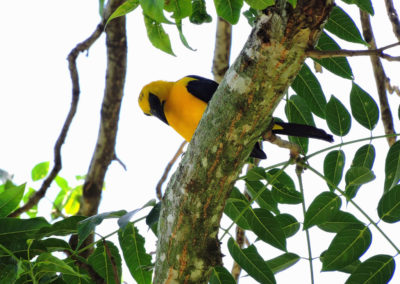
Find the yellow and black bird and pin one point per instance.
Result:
(181, 105)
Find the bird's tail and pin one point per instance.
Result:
(300, 130)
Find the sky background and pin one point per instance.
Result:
(35, 92)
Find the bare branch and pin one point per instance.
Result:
(394, 19)
(293, 147)
(380, 78)
(240, 238)
(167, 169)
(319, 54)
(83, 46)
(104, 152)
(222, 50)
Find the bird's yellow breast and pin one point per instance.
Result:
(183, 110)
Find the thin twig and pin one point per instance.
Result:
(167, 169)
(293, 147)
(319, 54)
(394, 19)
(240, 240)
(83, 46)
(380, 78)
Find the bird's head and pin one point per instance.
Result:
(153, 97)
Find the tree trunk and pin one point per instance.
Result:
(239, 113)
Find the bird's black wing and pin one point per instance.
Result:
(202, 88)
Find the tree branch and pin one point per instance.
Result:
(72, 56)
(115, 80)
(167, 169)
(394, 19)
(236, 117)
(222, 50)
(319, 54)
(380, 78)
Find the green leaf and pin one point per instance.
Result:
(153, 217)
(124, 9)
(297, 110)
(182, 36)
(12, 229)
(282, 262)
(87, 226)
(157, 36)
(377, 269)
(364, 157)
(8, 270)
(333, 167)
(392, 166)
(307, 86)
(10, 199)
(199, 13)
(251, 261)
(342, 25)
(363, 107)
(288, 223)
(337, 117)
(266, 227)
(64, 227)
(40, 171)
(293, 2)
(251, 16)
(125, 219)
(220, 275)
(106, 261)
(180, 8)
(47, 263)
(229, 9)
(256, 174)
(346, 247)
(389, 205)
(365, 5)
(234, 209)
(154, 9)
(338, 222)
(337, 65)
(323, 207)
(358, 176)
(49, 245)
(275, 176)
(260, 4)
(136, 258)
(73, 200)
(283, 189)
(282, 194)
(264, 196)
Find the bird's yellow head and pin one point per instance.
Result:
(153, 97)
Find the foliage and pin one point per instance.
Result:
(31, 249)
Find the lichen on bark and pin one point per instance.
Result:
(236, 117)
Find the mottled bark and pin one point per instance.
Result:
(239, 113)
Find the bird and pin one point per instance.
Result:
(181, 104)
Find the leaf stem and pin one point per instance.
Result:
(310, 259)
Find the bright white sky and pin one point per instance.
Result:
(36, 92)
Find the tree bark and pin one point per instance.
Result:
(104, 152)
(239, 113)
